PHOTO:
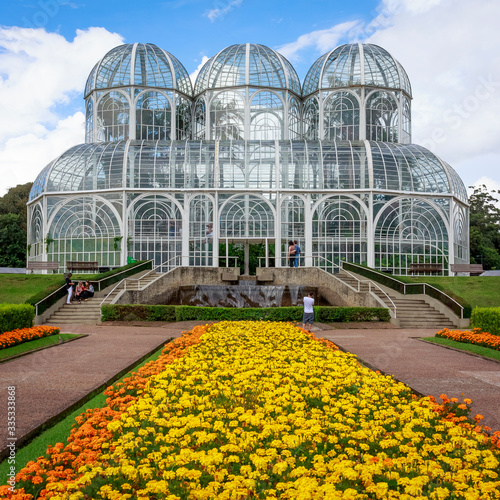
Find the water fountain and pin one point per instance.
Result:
(245, 294)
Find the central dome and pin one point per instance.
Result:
(247, 64)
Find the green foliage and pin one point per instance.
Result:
(12, 241)
(348, 314)
(14, 316)
(117, 312)
(142, 312)
(14, 202)
(486, 318)
(47, 291)
(487, 352)
(484, 228)
(255, 251)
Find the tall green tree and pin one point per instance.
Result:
(12, 241)
(484, 227)
(14, 202)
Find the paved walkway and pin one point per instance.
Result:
(49, 381)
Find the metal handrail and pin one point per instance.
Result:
(370, 283)
(98, 283)
(440, 292)
(45, 298)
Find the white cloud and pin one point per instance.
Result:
(450, 50)
(321, 40)
(39, 73)
(23, 157)
(217, 13)
(194, 74)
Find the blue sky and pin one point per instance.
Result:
(449, 49)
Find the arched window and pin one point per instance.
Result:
(407, 231)
(199, 119)
(293, 119)
(247, 216)
(227, 116)
(311, 120)
(406, 139)
(266, 117)
(182, 119)
(339, 228)
(155, 230)
(341, 117)
(153, 117)
(89, 120)
(382, 117)
(113, 113)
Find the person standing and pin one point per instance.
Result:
(308, 317)
(69, 287)
(297, 253)
(291, 253)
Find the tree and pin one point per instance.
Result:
(14, 202)
(12, 241)
(484, 228)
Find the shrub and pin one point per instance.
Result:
(14, 316)
(487, 319)
(117, 312)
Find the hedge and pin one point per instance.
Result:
(487, 319)
(139, 312)
(15, 316)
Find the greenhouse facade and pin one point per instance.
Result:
(249, 157)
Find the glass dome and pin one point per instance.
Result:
(139, 64)
(356, 64)
(165, 165)
(247, 64)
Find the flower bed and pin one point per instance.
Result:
(265, 410)
(475, 336)
(16, 337)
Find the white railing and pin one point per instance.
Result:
(424, 285)
(359, 282)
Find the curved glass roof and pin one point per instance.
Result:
(142, 64)
(168, 165)
(356, 64)
(247, 64)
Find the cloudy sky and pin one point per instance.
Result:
(449, 49)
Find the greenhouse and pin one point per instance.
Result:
(246, 162)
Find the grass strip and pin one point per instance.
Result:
(32, 345)
(462, 346)
(60, 432)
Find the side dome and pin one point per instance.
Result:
(139, 64)
(353, 65)
(248, 64)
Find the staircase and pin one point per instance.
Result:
(89, 312)
(412, 312)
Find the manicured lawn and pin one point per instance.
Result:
(35, 344)
(478, 291)
(59, 433)
(17, 288)
(476, 349)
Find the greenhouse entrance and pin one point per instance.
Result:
(247, 253)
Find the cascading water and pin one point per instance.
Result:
(245, 294)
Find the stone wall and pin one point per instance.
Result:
(164, 289)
